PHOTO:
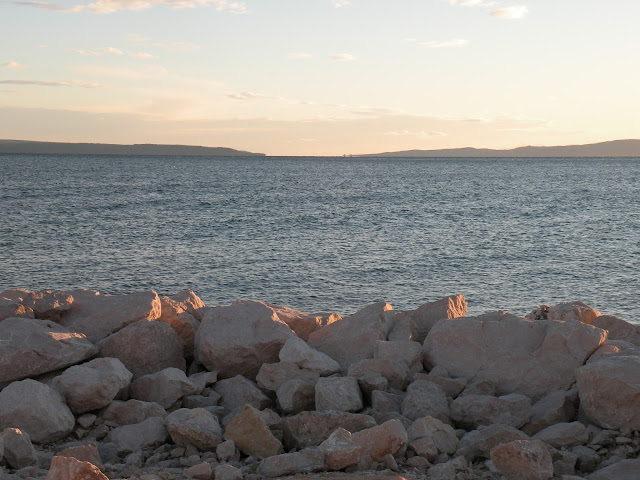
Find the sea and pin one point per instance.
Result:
(328, 234)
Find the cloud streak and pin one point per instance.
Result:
(343, 57)
(111, 6)
(454, 42)
(112, 51)
(513, 12)
(12, 65)
(46, 83)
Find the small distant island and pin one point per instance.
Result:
(615, 148)
(60, 148)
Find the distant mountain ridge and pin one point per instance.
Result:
(60, 148)
(614, 148)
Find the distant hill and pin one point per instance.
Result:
(25, 146)
(615, 148)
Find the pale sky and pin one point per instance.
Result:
(321, 77)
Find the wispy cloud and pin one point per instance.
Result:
(343, 57)
(141, 71)
(454, 42)
(12, 65)
(249, 96)
(110, 6)
(50, 6)
(420, 134)
(112, 51)
(299, 56)
(515, 11)
(46, 83)
(177, 46)
(341, 3)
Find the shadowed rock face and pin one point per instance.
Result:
(31, 347)
(518, 356)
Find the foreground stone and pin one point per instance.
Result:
(386, 439)
(427, 315)
(18, 449)
(98, 316)
(303, 324)
(296, 351)
(310, 429)
(31, 347)
(238, 339)
(68, 468)
(151, 432)
(523, 460)
(305, 461)
(196, 427)
(44, 304)
(165, 387)
(251, 434)
(338, 393)
(472, 411)
(340, 450)
(609, 391)
(36, 409)
(425, 398)
(532, 358)
(479, 443)
(623, 470)
(92, 385)
(132, 411)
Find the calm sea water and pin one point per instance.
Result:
(327, 233)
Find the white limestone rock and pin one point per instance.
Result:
(427, 315)
(296, 351)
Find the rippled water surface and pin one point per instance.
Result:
(327, 233)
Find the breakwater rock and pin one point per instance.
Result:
(163, 388)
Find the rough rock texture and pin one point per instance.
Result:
(354, 338)
(518, 356)
(309, 429)
(151, 432)
(227, 472)
(30, 347)
(295, 396)
(98, 316)
(440, 435)
(46, 304)
(340, 450)
(238, 339)
(623, 470)
(395, 370)
(36, 409)
(410, 352)
(296, 351)
(68, 468)
(92, 385)
(381, 440)
(272, 375)
(609, 391)
(251, 434)
(165, 387)
(132, 411)
(145, 347)
(305, 461)
(479, 443)
(201, 471)
(183, 323)
(303, 324)
(238, 391)
(572, 311)
(558, 406)
(523, 460)
(9, 309)
(195, 427)
(18, 449)
(425, 398)
(189, 302)
(338, 393)
(472, 411)
(85, 453)
(617, 328)
(427, 315)
(564, 435)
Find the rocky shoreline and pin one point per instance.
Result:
(145, 387)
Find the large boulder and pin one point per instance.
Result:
(523, 460)
(386, 439)
(239, 338)
(188, 301)
(617, 328)
(195, 427)
(609, 391)
(394, 370)
(623, 470)
(564, 435)
(295, 396)
(572, 311)
(145, 347)
(517, 356)
(164, 388)
(471, 411)
(341, 394)
(36, 409)
(440, 435)
(272, 375)
(18, 449)
(31, 347)
(132, 411)
(409, 351)
(92, 385)
(354, 338)
(304, 461)
(183, 323)
(251, 434)
(479, 443)
(303, 324)
(558, 406)
(340, 451)
(425, 398)
(310, 429)
(238, 391)
(98, 316)
(296, 351)
(427, 315)
(45, 304)
(151, 432)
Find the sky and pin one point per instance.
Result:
(320, 77)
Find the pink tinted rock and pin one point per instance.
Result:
(523, 460)
(132, 411)
(85, 453)
(305, 461)
(308, 429)
(18, 449)
(69, 468)
(98, 316)
(31, 347)
(165, 387)
(183, 323)
(427, 315)
(272, 375)
(45, 304)
(161, 348)
(303, 324)
(395, 370)
(388, 438)
(201, 471)
(617, 328)
(528, 357)
(425, 398)
(251, 434)
(239, 338)
(296, 351)
(338, 393)
(190, 303)
(573, 311)
(340, 451)
(408, 351)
